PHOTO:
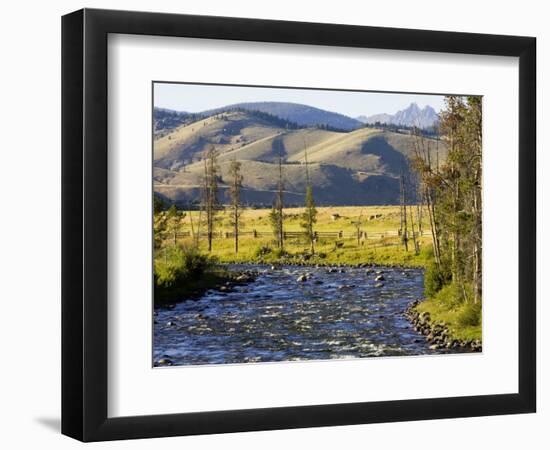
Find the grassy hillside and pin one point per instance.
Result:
(359, 167)
(302, 115)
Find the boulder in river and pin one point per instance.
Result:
(301, 278)
(379, 285)
(380, 278)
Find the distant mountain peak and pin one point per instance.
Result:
(412, 115)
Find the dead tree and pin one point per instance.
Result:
(210, 193)
(309, 218)
(277, 216)
(235, 195)
(404, 230)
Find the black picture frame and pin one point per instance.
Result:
(84, 224)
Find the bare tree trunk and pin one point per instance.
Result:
(279, 206)
(419, 208)
(192, 225)
(404, 235)
(433, 228)
(415, 242)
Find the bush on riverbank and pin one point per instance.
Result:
(181, 271)
(180, 264)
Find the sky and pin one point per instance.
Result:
(197, 98)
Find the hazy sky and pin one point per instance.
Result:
(197, 98)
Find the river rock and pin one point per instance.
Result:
(165, 362)
(244, 278)
(301, 278)
(380, 278)
(379, 285)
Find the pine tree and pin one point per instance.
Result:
(452, 191)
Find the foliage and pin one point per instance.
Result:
(309, 217)
(179, 264)
(158, 204)
(462, 317)
(435, 278)
(470, 315)
(262, 250)
(178, 267)
(453, 193)
(167, 225)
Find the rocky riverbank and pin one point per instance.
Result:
(437, 333)
(219, 280)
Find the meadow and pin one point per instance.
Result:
(379, 241)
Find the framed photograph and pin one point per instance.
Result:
(273, 225)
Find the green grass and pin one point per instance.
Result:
(184, 272)
(175, 279)
(383, 251)
(376, 252)
(463, 318)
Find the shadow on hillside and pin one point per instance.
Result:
(393, 160)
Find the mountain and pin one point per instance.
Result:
(376, 118)
(302, 115)
(412, 116)
(358, 167)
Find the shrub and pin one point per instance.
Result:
(435, 279)
(262, 251)
(180, 264)
(470, 315)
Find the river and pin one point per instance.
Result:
(336, 313)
